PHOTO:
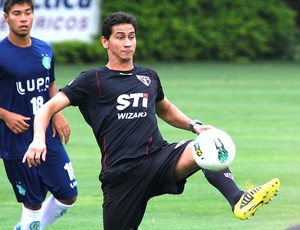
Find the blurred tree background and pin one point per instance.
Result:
(223, 30)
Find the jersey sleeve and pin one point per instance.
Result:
(160, 93)
(78, 90)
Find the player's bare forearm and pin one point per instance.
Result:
(53, 89)
(175, 117)
(61, 127)
(53, 106)
(172, 115)
(37, 149)
(60, 124)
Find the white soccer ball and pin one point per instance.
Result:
(213, 150)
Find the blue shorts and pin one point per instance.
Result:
(54, 175)
(128, 186)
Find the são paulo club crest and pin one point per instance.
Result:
(144, 79)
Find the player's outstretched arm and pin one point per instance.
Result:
(175, 117)
(171, 114)
(37, 149)
(60, 125)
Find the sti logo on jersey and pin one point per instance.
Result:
(144, 79)
(134, 100)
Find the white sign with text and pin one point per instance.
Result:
(60, 20)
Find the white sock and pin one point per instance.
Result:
(31, 219)
(52, 210)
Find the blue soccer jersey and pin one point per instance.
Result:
(25, 77)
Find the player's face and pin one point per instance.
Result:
(122, 43)
(19, 19)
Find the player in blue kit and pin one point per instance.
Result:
(26, 83)
(120, 102)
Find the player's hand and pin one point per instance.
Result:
(16, 122)
(200, 128)
(36, 152)
(61, 126)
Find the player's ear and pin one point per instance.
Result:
(104, 42)
(5, 15)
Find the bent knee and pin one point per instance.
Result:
(69, 201)
(186, 164)
(33, 207)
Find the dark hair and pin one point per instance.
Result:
(116, 19)
(8, 4)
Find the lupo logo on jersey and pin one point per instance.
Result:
(39, 84)
(134, 100)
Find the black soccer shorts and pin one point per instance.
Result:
(128, 186)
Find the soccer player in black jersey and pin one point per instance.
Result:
(120, 102)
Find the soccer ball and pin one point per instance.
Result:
(213, 150)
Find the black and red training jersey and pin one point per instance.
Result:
(120, 108)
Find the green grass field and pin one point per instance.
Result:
(257, 104)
